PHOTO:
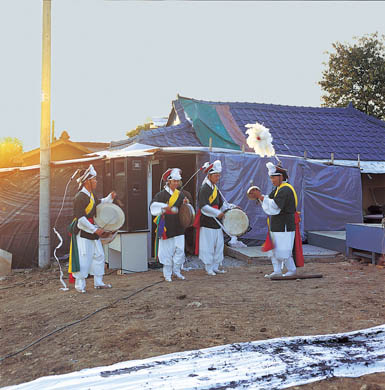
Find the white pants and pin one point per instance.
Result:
(282, 254)
(171, 255)
(91, 260)
(211, 247)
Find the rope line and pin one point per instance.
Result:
(64, 288)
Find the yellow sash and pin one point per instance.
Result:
(174, 197)
(292, 188)
(70, 258)
(88, 209)
(214, 195)
(91, 204)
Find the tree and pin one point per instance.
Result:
(356, 73)
(10, 150)
(138, 129)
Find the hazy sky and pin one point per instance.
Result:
(117, 63)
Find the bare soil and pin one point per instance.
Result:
(143, 316)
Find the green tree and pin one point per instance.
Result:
(356, 73)
(138, 129)
(10, 150)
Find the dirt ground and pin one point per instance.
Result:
(143, 316)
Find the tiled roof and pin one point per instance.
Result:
(319, 131)
(178, 135)
(121, 144)
(95, 146)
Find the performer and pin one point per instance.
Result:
(281, 206)
(86, 252)
(169, 230)
(209, 233)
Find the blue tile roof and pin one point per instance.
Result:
(319, 131)
(178, 135)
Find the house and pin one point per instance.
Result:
(63, 149)
(330, 179)
(340, 136)
(319, 146)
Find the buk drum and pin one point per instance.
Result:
(235, 222)
(186, 215)
(109, 217)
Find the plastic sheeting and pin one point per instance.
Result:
(19, 216)
(207, 124)
(19, 211)
(328, 196)
(277, 363)
(332, 197)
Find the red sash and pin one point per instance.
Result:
(298, 252)
(268, 244)
(197, 226)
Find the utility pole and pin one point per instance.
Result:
(45, 152)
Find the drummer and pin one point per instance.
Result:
(169, 230)
(86, 251)
(209, 233)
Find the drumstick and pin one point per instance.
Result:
(223, 228)
(188, 181)
(225, 200)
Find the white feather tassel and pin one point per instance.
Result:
(260, 139)
(271, 168)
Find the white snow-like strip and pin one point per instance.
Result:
(270, 364)
(365, 166)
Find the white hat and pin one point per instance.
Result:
(89, 173)
(172, 174)
(276, 170)
(109, 216)
(251, 189)
(215, 167)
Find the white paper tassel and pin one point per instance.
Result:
(260, 139)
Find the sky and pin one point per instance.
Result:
(116, 64)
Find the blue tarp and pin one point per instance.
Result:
(328, 196)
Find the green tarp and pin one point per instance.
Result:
(207, 124)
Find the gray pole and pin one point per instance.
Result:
(45, 152)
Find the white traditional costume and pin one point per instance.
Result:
(169, 230)
(211, 204)
(89, 247)
(280, 205)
